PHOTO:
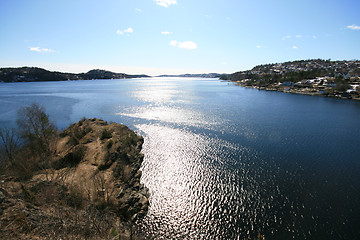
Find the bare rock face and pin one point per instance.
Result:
(91, 189)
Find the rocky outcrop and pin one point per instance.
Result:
(107, 159)
(91, 191)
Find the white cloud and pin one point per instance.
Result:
(138, 10)
(298, 36)
(295, 47)
(129, 30)
(38, 49)
(286, 37)
(353, 27)
(165, 3)
(258, 46)
(166, 32)
(186, 44)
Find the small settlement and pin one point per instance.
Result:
(339, 79)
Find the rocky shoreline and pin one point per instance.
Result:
(305, 91)
(91, 191)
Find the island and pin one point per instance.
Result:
(340, 79)
(200, 75)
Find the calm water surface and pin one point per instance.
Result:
(221, 161)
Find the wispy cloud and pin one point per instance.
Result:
(295, 47)
(289, 36)
(173, 43)
(286, 37)
(39, 49)
(165, 3)
(166, 32)
(138, 10)
(353, 27)
(129, 30)
(259, 46)
(190, 45)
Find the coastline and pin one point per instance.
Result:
(303, 91)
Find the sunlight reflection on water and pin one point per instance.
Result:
(170, 115)
(193, 192)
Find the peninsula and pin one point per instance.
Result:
(33, 74)
(339, 79)
(81, 184)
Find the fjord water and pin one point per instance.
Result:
(222, 161)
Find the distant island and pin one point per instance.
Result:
(201, 75)
(34, 74)
(339, 79)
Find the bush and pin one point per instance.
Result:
(76, 135)
(75, 198)
(71, 159)
(108, 161)
(105, 134)
(131, 140)
(114, 232)
(109, 144)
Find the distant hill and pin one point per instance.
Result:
(202, 75)
(34, 74)
(339, 79)
(298, 70)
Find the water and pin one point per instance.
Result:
(221, 161)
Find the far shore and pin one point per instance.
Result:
(311, 91)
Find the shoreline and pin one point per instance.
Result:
(303, 91)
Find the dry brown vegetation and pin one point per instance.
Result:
(83, 183)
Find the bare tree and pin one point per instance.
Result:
(38, 132)
(35, 127)
(9, 145)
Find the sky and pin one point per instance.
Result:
(175, 36)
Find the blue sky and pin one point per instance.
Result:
(175, 36)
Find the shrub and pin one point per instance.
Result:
(71, 159)
(73, 140)
(107, 162)
(88, 129)
(105, 134)
(109, 144)
(114, 232)
(75, 198)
